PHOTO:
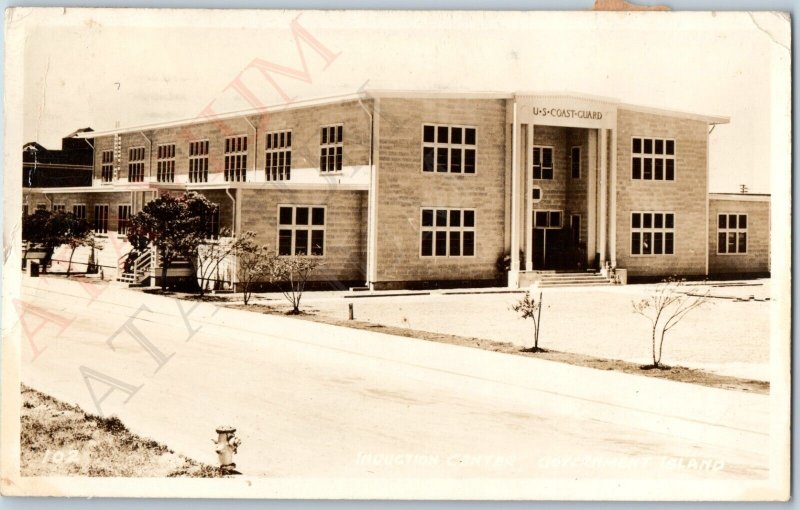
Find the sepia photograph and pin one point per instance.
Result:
(436, 255)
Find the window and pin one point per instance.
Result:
(79, 210)
(198, 161)
(212, 224)
(652, 233)
(24, 210)
(123, 219)
(301, 230)
(732, 233)
(448, 149)
(447, 233)
(101, 219)
(165, 163)
(575, 227)
(279, 155)
(107, 166)
(136, 164)
(330, 146)
(236, 158)
(59, 208)
(536, 194)
(542, 162)
(575, 162)
(547, 219)
(653, 159)
(41, 206)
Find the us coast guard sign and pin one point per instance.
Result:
(566, 111)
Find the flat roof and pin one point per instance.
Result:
(398, 93)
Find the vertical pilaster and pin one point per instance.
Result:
(513, 277)
(612, 199)
(528, 172)
(603, 196)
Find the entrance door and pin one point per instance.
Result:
(548, 243)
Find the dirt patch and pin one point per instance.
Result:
(680, 374)
(58, 439)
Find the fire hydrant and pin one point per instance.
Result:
(227, 444)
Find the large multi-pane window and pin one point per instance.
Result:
(448, 149)
(107, 166)
(731, 233)
(330, 148)
(198, 161)
(653, 159)
(79, 210)
(236, 158)
(652, 233)
(59, 207)
(542, 162)
(447, 232)
(301, 230)
(136, 164)
(279, 155)
(547, 219)
(165, 163)
(101, 219)
(123, 219)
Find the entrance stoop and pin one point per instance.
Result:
(563, 279)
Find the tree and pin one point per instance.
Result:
(253, 264)
(665, 308)
(174, 225)
(48, 230)
(291, 273)
(207, 257)
(529, 308)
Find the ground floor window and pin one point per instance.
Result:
(447, 232)
(652, 233)
(41, 206)
(575, 227)
(59, 207)
(79, 210)
(212, 224)
(731, 233)
(123, 219)
(101, 219)
(301, 230)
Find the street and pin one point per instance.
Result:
(314, 400)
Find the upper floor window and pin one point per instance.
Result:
(301, 230)
(653, 159)
(165, 163)
(107, 166)
(652, 233)
(279, 155)
(448, 149)
(198, 161)
(542, 162)
(575, 162)
(330, 147)
(732, 233)
(136, 164)
(236, 158)
(447, 232)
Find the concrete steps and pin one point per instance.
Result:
(565, 279)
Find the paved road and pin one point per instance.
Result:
(315, 400)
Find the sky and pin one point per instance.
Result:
(126, 68)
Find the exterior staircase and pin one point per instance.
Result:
(563, 279)
(139, 270)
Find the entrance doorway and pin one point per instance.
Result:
(555, 246)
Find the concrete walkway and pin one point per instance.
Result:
(316, 400)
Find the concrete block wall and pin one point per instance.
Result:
(686, 196)
(757, 257)
(344, 260)
(403, 189)
(304, 122)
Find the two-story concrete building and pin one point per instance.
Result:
(402, 189)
